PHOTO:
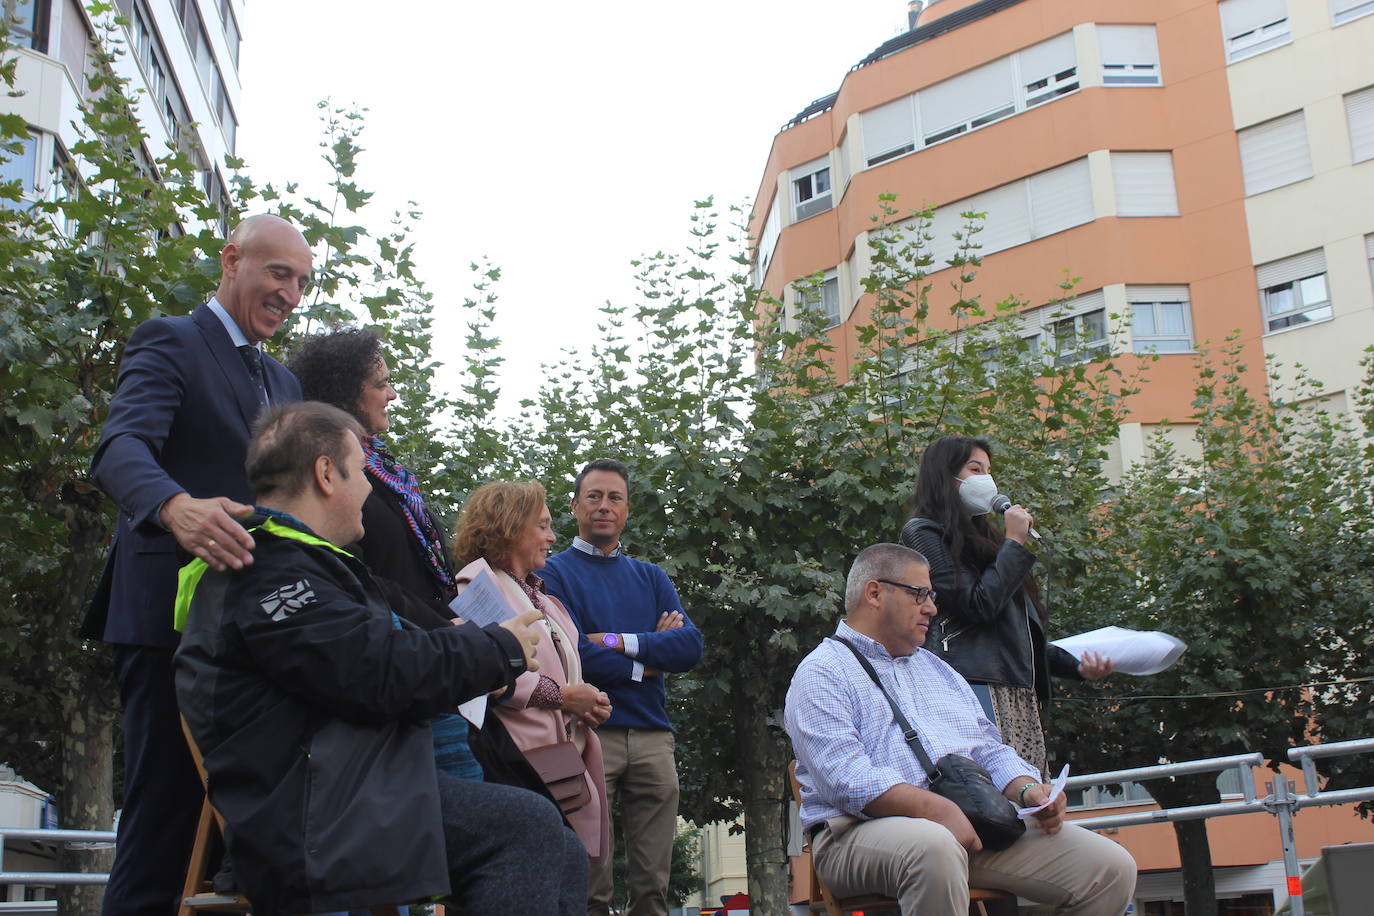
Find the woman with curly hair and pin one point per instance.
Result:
(403, 541)
(991, 622)
(507, 525)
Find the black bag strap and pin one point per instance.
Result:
(909, 734)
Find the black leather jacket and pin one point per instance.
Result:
(986, 629)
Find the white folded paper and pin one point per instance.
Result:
(1056, 787)
(1131, 651)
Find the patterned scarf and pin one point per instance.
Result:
(382, 465)
(532, 586)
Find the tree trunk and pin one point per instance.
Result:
(1194, 849)
(87, 797)
(765, 751)
(1195, 854)
(86, 787)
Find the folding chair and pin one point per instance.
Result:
(198, 893)
(822, 901)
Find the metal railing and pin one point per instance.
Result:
(1280, 802)
(73, 839)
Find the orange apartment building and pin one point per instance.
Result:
(1205, 166)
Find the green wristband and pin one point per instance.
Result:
(1021, 796)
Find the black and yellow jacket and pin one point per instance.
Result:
(309, 700)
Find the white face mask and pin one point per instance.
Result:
(976, 491)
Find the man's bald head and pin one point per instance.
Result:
(266, 266)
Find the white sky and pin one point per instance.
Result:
(559, 140)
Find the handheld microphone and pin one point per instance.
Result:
(1001, 503)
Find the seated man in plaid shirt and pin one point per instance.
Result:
(874, 827)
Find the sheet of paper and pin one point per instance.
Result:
(1131, 651)
(474, 710)
(483, 602)
(1056, 788)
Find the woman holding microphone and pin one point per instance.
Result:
(991, 622)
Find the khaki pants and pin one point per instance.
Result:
(641, 772)
(919, 863)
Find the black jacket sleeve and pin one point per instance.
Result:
(359, 664)
(976, 597)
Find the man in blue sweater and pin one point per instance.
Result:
(633, 632)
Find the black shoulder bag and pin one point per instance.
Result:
(958, 779)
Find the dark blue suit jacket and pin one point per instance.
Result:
(180, 420)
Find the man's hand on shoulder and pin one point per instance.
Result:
(209, 529)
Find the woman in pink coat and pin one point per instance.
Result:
(507, 525)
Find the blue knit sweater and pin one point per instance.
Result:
(623, 595)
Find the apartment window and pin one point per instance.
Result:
(1359, 112)
(1144, 184)
(231, 30)
(1253, 26)
(28, 22)
(1060, 198)
(811, 191)
(1017, 213)
(1079, 338)
(1161, 320)
(1130, 55)
(1294, 291)
(1342, 11)
(1048, 70)
(889, 130)
(822, 298)
(74, 44)
(967, 101)
(982, 96)
(1274, 154)
(768, 240)
(21, 167)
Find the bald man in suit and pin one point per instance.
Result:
(171, 455)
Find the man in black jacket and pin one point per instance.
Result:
(309, 699)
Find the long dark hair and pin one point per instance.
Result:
(971, 540)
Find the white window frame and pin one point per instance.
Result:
(1359, 117)
(1343, 11)
(804, 179)
(1253, 142)
(1157, 298)
(1139, 73)
(1023, 97)
(30, 184)
(1295, 276)
(1047, 87)
(821, 295)
(1301, 314)
(1264, 36)
(1138, 180)
(768, 242)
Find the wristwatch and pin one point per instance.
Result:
(610, 640)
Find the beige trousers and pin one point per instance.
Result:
(641, 772)
(919, 863)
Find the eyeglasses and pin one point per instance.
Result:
(922, 593)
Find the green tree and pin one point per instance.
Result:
(79, 272)
(757, 475)
(1255, 552)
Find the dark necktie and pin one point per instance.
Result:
(253, 360)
